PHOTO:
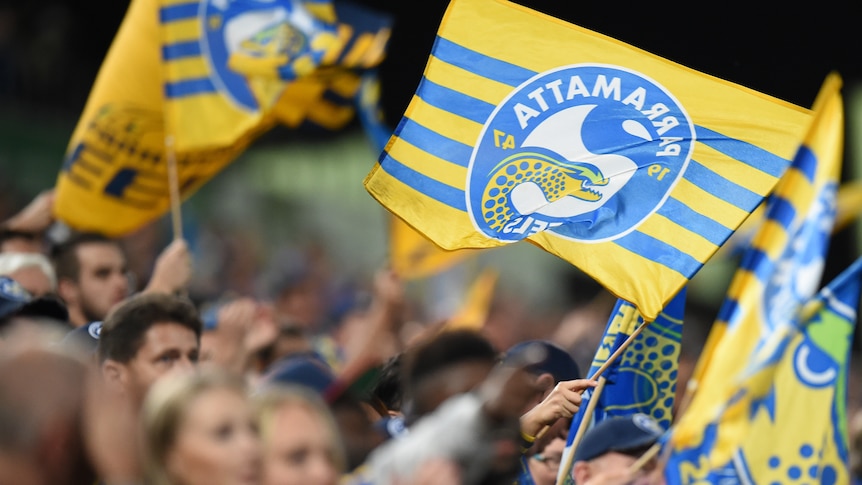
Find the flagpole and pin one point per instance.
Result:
(588, 414)
(594, 397)
(173, 187)
(651, 453)
(607, 364)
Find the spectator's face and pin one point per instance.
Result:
(102, 279)
(215, 443)
(300, 450)
(544, 465)
(167, 348)
(612, 462)
(33, 280)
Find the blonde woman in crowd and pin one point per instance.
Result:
(301, 445)
(199, 430)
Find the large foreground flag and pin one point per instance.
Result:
(631, 167)
(779, 273)
(411, 254)
(642, 379)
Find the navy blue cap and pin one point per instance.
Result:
(85, 338)
(15, 301)
(556, 361)
(619, 434)
(12, 296)
(305, 370)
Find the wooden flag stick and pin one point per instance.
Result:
(174, 187)
(604, 367)
(594, 398)
(645, 458)
(588, 414)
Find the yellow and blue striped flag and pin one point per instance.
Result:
(810, 387)
(114, 176)
(226, 64)
(332, 96)
(631, 167)
(796, 430)
(209, 76)
(643, 378)
(848, 207)
(411, 254)
(779, 272)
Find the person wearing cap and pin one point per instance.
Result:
(612, 446)
(32, 270)
(557, 375)
(353, 412)
(17, 304)
(93, 278)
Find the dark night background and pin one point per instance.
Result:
(50, 51)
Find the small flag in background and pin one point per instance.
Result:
(643, 378)
(226, 64)
(210, 77)
(779, 272)
(631, 167)
(476, 306)
(330, 98)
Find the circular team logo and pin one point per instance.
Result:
(586, 152)
(276, 39)
(95, 330)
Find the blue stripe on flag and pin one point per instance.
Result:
(422, 183)
(181, 11)
(721, 187)
(189, 87)
(686, 217)
(455, 102)
(746, 153)
(180, 50)
(434, 143)
(781, 211)
(480, 64)
(660, 252)
(806, 162)
(758, 263)
(728, 309)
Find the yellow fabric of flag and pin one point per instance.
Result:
(114, 177)
(631, 167)
(779, 273)
(413, 256)
(473, 312)
(200, 81)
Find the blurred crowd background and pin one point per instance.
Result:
(294, 205)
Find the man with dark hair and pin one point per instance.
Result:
(93, 277)
(145, 338)
(452, 363)
(12, 241)
(388, 386)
